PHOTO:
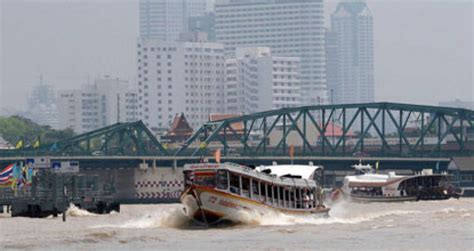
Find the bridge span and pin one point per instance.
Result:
(401, 137)
(361, 130)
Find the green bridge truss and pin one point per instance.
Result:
(371, 129)
(122, 139)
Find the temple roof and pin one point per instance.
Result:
(180, 126)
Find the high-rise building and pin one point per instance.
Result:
(291, 28)
(204, 23)
(331, 66)
(179, 77)
(107, 101)
(257, 81)
(351, 24)
(42, 107)
(166, 19)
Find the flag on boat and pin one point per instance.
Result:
(292, 151)
(217, 155)
(377, 166)
(6, 176)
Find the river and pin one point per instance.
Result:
(424, 225)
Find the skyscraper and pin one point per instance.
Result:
(257, 81)
(351, 25)
(204, 24)
(42, 107)
(179, 77)
(331, 65)
(107, 101)
(291, 28)
(166, 19)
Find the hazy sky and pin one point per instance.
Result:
(423, 49)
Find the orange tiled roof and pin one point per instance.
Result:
(237, 126)
(335, 130)
(180, 126)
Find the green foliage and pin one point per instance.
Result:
(15, 128)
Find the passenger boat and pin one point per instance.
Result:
(369, 186)
(215, 192)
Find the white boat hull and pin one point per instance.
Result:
(382, 199)
(211, 206)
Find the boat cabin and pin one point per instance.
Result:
(285, 191)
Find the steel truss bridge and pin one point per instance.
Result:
(347, 130)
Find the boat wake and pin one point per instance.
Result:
(78, 212)
(172, 217)
(344, 212)
(337, 215)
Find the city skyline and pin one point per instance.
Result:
(71, 64)
(291, 28)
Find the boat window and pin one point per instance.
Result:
(281, 195)
(234, 184)
(287, 198)
(255, 187)
(205, 178)
(270, 192)
(262, 190)
(298, 197)
(222, 180)
(306, 198)
(246, 187)
(292, 197)
(275, 193)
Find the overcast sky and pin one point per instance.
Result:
(423, 49)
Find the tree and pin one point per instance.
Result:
(17, 128)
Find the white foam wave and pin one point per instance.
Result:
(279, 219)
(77, 212)
(170, 218)
(341, 213)
(450, 210)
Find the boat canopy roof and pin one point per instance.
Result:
(305, 171)
(258, 173)
(363, 168)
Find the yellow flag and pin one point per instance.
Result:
(377, 166)
(202, 145)
(19, 144)
(165, 146)
(37, 143)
